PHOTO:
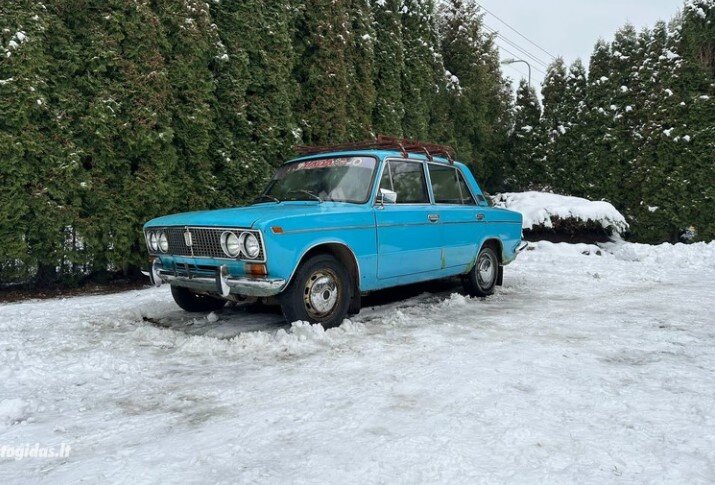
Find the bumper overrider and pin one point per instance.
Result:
(216, 281)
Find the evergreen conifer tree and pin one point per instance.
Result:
(361, 64)
(389, 66)
(418, 78)
(523, 171)
(323, 72)
(239, 168)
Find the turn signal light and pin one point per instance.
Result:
(256, 269)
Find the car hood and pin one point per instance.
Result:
(249, 216)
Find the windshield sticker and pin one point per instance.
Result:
(358, 162)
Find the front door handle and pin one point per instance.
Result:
(480, 216)
(433, 217)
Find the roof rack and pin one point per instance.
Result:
(382, 142)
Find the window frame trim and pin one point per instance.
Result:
(425, 174)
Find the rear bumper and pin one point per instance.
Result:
(522, 245)
(217, 281)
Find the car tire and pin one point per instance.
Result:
(194, 302)
(482, 278)
(319, 292)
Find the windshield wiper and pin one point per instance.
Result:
(308, 193)
(269, 197)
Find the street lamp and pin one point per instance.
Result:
(516, 61)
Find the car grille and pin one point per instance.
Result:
(205, 242)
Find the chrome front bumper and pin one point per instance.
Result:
(218, 281)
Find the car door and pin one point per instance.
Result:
(461, 219)
(408, 235)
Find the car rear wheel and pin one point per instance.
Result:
(319, 292)
(482, 279)
(194, 302)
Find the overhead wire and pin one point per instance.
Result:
(515, 45)
(553, 57)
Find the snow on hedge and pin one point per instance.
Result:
(539, 208)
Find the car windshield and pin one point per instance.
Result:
(340, 179)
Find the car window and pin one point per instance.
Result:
(407, 179)
(448, 186)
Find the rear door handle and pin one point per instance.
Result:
(433, 217)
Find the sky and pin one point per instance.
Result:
(567, 28)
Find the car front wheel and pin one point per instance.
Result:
(482, 279)
(194, 302)
(319, 292)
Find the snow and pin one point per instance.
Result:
(590, 364)
(538, 208)
(15, 42)
(542, 382)
(12, 411)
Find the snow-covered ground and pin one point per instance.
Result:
(540, 208)
(590, 365)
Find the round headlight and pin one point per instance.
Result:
(163, 242)
(154, 241)
(230, 244)
(251, 246)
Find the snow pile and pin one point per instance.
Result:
(697, 255)
(541, 208)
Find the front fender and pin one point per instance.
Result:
(286, 251)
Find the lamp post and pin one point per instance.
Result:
(516, 61)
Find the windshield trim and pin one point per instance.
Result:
(325, 156)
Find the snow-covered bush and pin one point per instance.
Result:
(564, 218)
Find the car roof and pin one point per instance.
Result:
(379, 154)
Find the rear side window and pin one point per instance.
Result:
(448, 186)
(407, 179)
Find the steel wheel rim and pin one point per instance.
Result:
(486, 270)
(321, 293)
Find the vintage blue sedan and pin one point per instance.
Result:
(333, 226)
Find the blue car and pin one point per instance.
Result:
(332, 226)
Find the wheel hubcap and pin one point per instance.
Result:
(321, 293)
(486, 270)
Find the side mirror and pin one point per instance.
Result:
(386, 197)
